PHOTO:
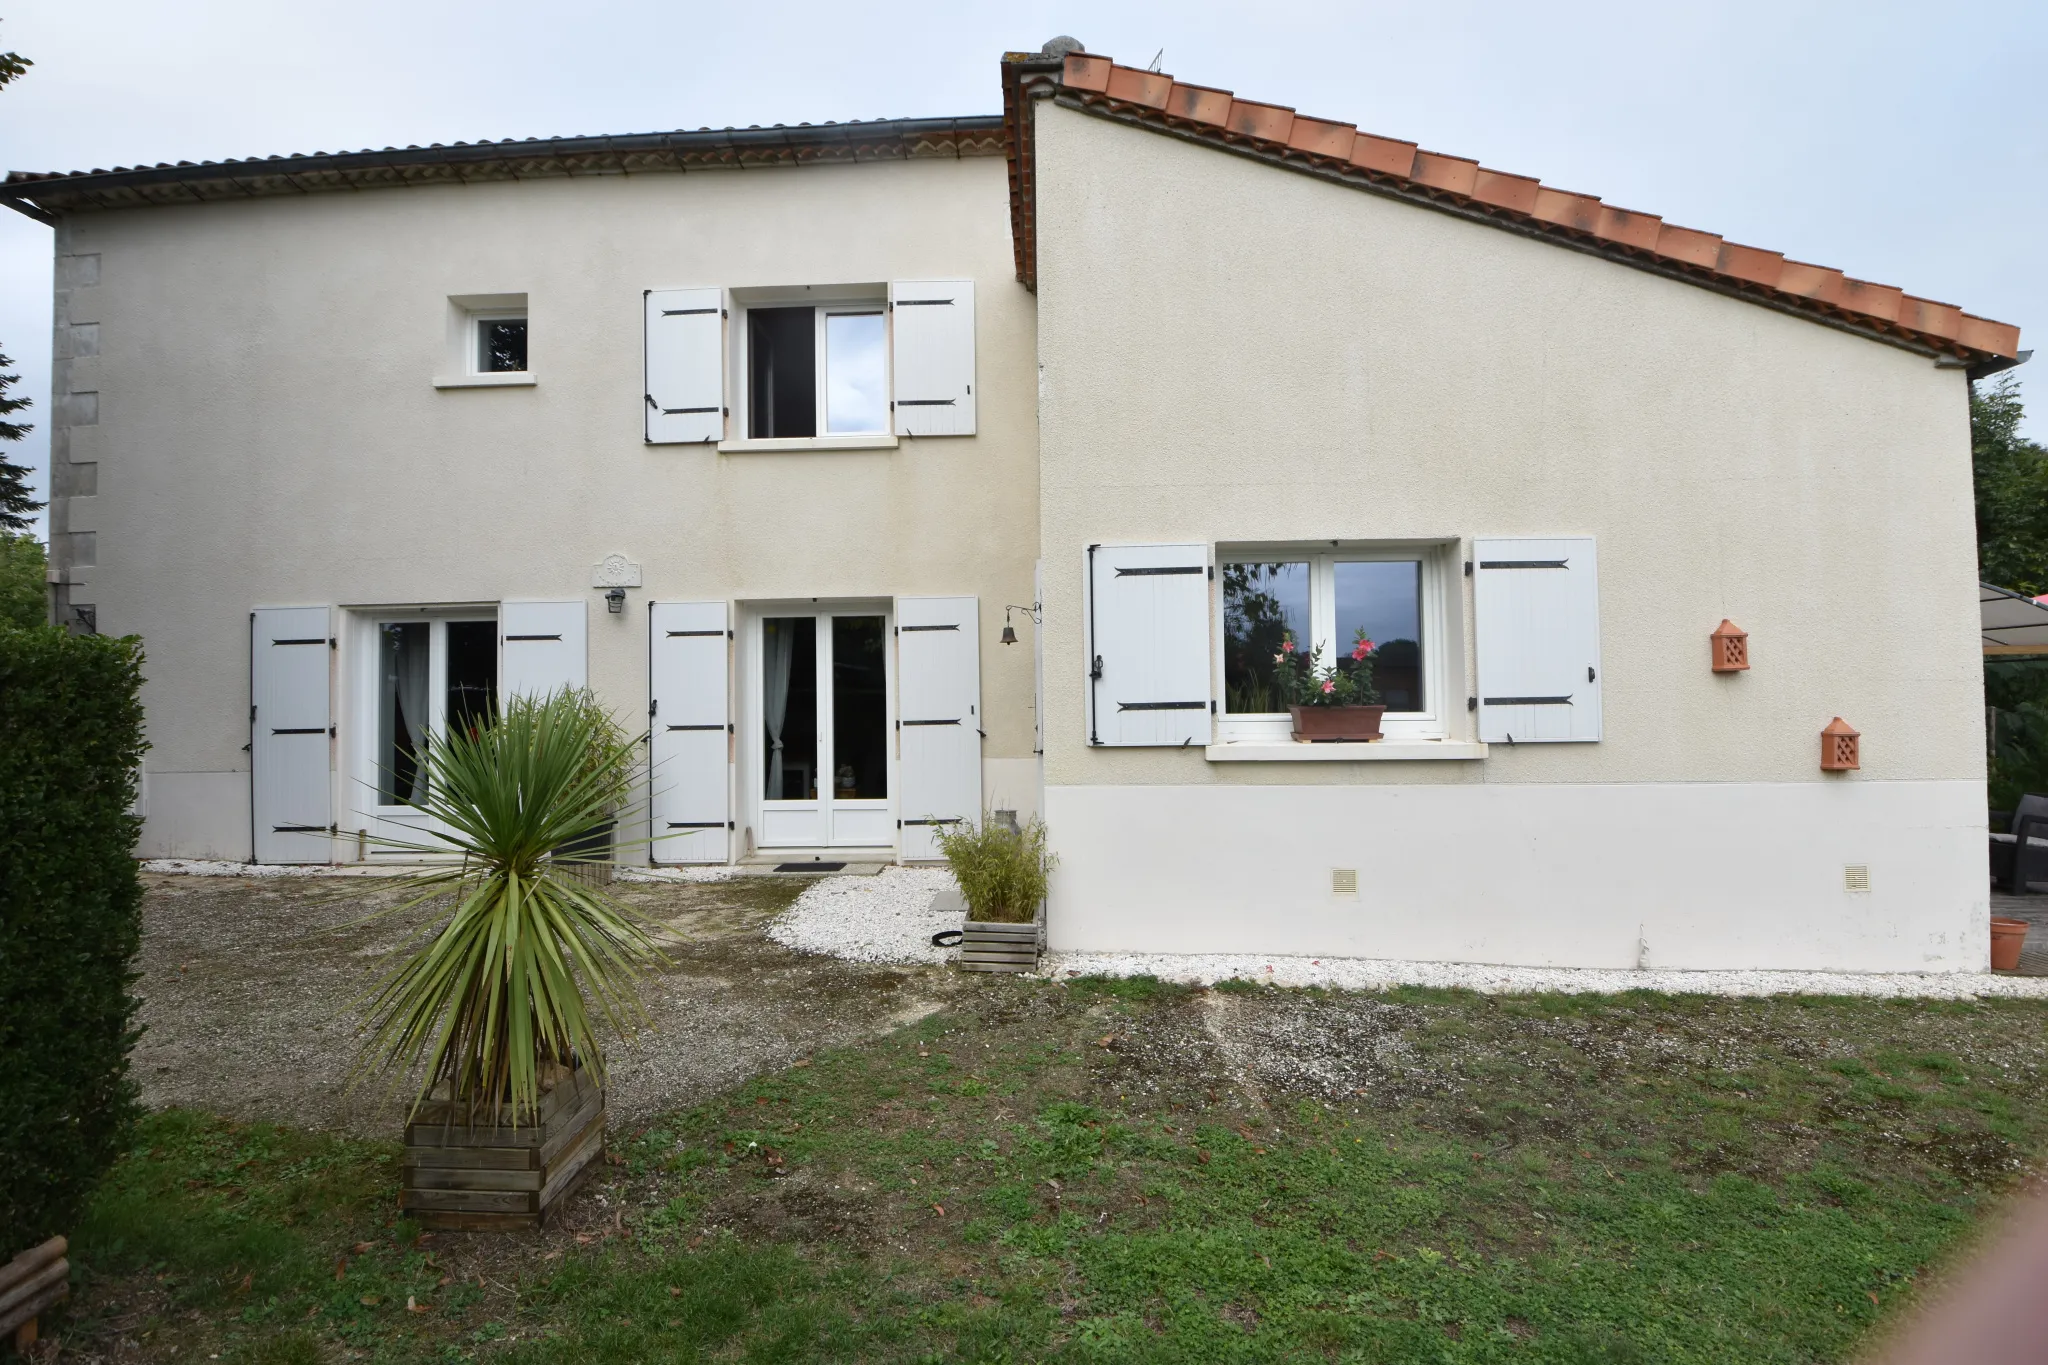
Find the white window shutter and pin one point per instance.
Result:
(938, 718)
(1537, 609)
(289, 724)
(542, 648)
(1148, 645)
(685, 365)
(689, 754)
(933, 356)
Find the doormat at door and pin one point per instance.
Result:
(810, 867)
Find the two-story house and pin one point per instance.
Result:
(889, 472)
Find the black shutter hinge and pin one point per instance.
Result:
(1471, 703)
(1589, 672)
(1468, 568)
(1212, 573)
(653, 707)
(334, 642)
(252, 713)
(333, 731)
(1212, 706)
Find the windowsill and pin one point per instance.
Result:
(1381, 751)
(878, 441)
(519, 379)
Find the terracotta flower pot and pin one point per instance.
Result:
(1330, 724)
(2008, 936)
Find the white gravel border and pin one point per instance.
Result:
(206, 867)
(1378, 974)
(886, 917)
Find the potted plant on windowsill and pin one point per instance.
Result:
(488, 1005)
(1329, 702)
(1002, 869)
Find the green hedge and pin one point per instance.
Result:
(70, 920)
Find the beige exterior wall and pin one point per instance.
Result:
(268, 432)
(1234, 352)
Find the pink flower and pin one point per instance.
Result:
(1363, 648)
(1279, 658)
(1329, 687)
(1288, 646)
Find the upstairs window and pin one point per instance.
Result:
(500, 345)
(806, 361)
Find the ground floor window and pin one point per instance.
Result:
(432, 676)
(1335, 603)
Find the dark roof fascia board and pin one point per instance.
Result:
(45, 196)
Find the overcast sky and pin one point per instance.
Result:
(1904, 143)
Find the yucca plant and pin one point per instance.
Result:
(1002, 868)
(494, 990)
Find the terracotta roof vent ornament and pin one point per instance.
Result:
(1841, 747)
(1731, 648)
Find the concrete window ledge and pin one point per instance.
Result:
(521, 379)
(1385, 751)
(878, 442)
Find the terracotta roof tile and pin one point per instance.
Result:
(1148, 88)
(1702, 249)
(1439, 172)
(1199, 104)
(1319, 137)
(1579, 212)
(1463, 184)
(1383, 154)
(1267, 122)
(1627, 228)
(1504, 191)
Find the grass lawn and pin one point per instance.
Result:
(1130, 1171)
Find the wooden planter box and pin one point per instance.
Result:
(1332, 724)
(463, 1176)
(29, 1285)
(598, 841)
(987, 946)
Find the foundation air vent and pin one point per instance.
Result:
(1343, 881)
(1856, 877)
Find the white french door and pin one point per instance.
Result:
(422, 675)
(824, 757)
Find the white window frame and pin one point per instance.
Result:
(1435, 558)
(463, 349)
(365, 798)
(823, 302)
(476, 342)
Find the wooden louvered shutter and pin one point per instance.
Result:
(1537, 608)
(1148, 645)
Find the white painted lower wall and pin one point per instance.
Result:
(1670, 875)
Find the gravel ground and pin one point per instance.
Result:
(1374, 974)
(249, 987)
(884, 918)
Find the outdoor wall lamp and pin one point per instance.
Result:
(615, 601)
(1009, 636)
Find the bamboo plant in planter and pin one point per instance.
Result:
(489, 1004)
(1330, 702)
(1002, 870)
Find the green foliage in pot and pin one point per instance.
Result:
(1303, 680)
(494, 990)
(1002, 869)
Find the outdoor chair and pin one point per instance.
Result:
(2019, 854)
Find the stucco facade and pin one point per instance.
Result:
(268, 432)
(1232, 352)
(1204, 333)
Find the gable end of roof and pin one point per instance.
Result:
(1281, 136)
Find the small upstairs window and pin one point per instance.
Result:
(486, 348)
(500, 345)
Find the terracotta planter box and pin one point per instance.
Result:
(459, 1175)
(2008, 937)
(1332, 724)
